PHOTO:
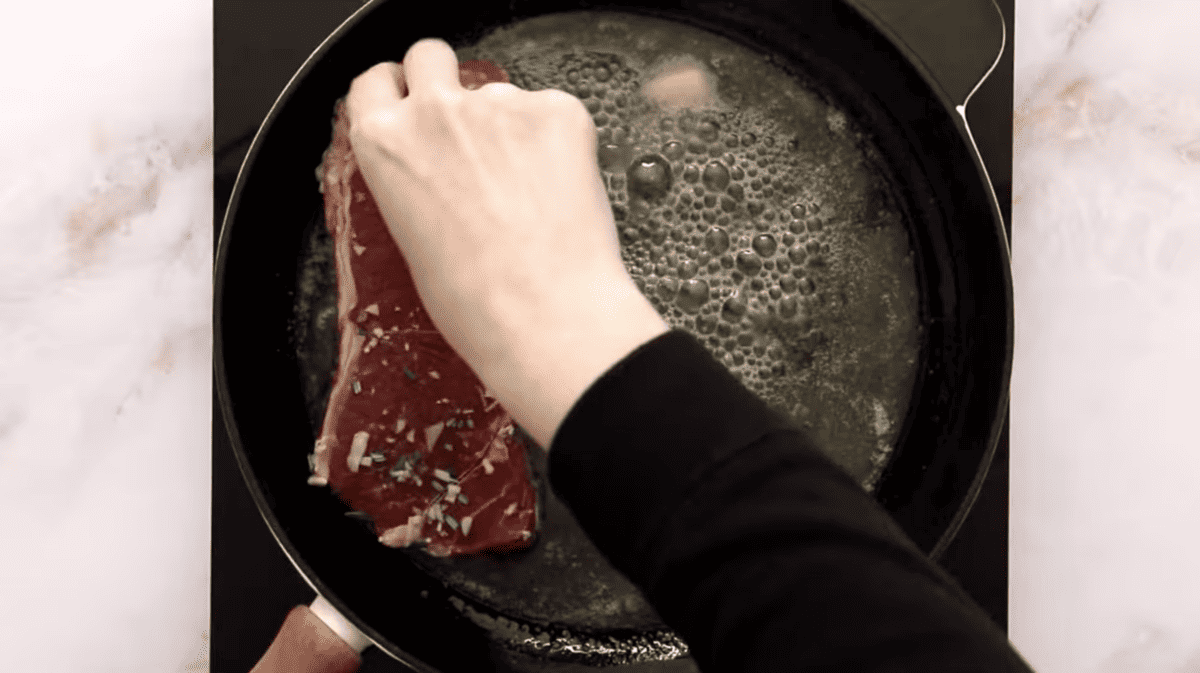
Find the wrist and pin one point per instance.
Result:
(551, 362)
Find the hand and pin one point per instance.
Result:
(494, 197)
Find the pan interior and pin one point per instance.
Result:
(763, 221)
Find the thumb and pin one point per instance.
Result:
(431, 64)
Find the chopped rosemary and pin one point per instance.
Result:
(452, 521)
(357, 387)
(462, 497)
(409, 374)
(438, 485)
(470, 423)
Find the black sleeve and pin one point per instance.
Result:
(760, 552)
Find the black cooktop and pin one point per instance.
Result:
(258, 45)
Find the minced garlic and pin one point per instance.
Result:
(358, 448)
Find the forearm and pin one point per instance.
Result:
(814, 570)
(749, 542)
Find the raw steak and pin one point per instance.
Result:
(411, 436)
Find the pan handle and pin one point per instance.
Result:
(957, 43)
(315, 639)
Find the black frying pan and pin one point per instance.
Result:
(907, 101)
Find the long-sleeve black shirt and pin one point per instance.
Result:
(760, 552)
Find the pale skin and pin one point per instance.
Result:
(495, 198)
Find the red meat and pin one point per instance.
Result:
(411, 436)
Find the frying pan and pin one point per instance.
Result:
(912, 103)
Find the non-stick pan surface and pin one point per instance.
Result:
(956, 234)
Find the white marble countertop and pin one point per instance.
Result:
(105, 336)
(1105, 511)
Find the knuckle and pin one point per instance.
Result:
(565, 105)
(375, 124)
(437, 101)
(559, 99)
(428, 45)
(499, 92)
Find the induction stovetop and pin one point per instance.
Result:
(258, 46)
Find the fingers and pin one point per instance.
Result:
(374, 92)
(431, 65)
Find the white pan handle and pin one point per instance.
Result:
(314, 639)
(339, 624)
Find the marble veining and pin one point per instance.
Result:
(105, 336)
(1105, 513)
